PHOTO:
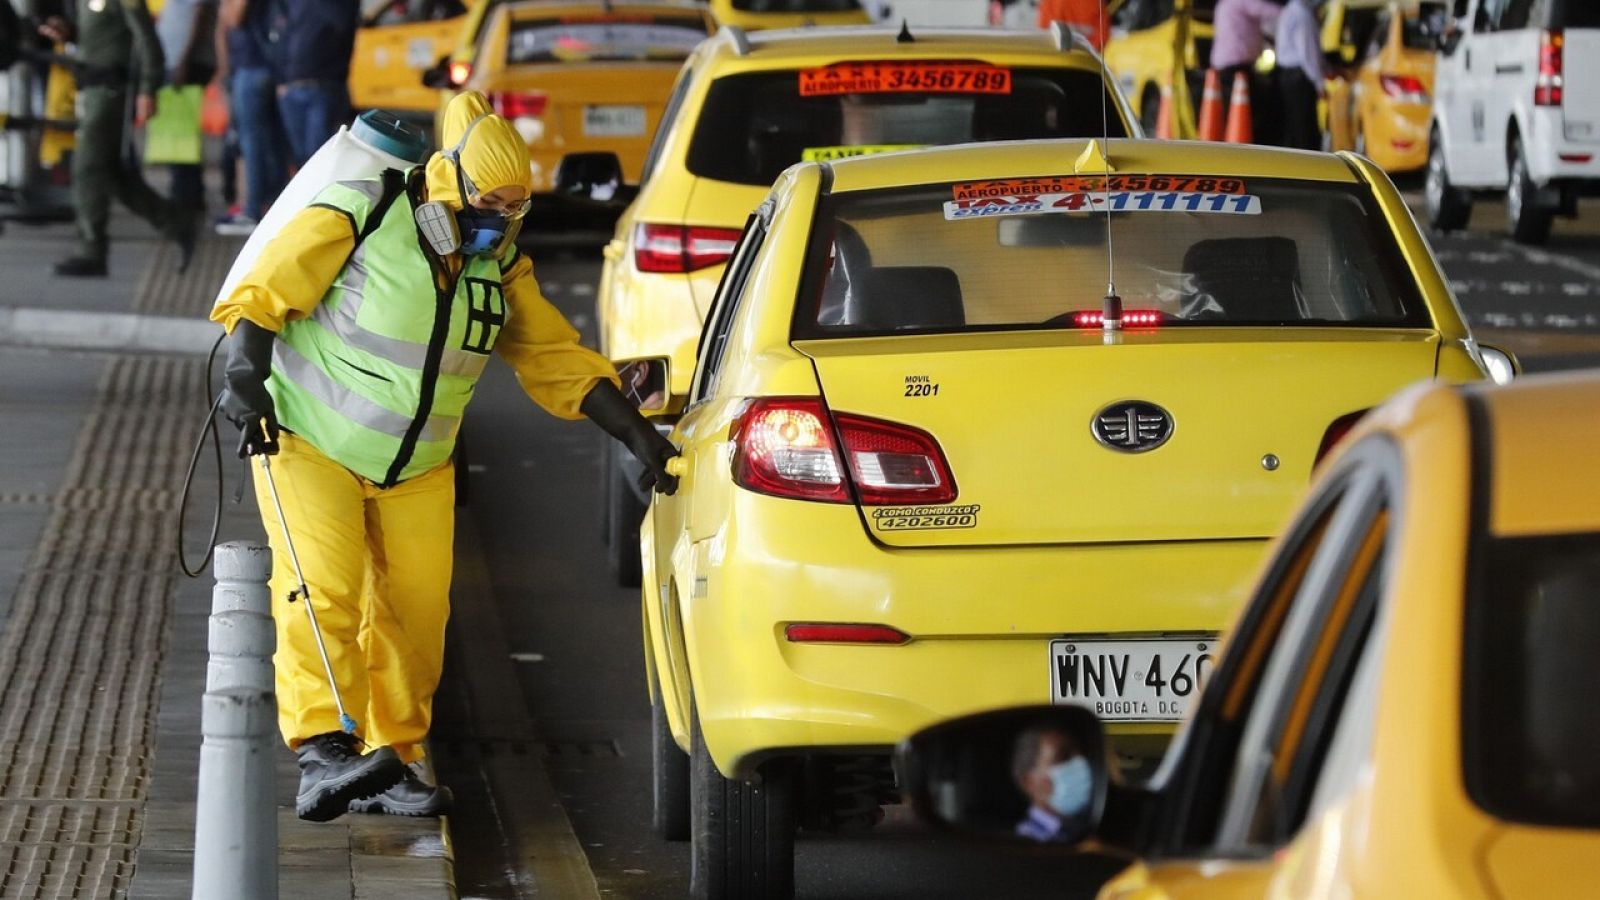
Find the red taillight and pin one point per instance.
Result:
(893, 464)
(1336, 432)
(835, 633)
(518, 105)
(1131, 318)
(1576, 157)
(679, 248)
(1404, 88)
(460, 72)
(1547, 90)
(786, 447)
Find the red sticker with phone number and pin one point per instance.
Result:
(1071, 184)
(904, 78)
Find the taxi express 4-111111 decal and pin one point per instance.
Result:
(1022, 204)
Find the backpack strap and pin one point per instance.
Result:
(394, 182)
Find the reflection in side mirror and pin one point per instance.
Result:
(438, 74)
(1033, 773)
(1502, 366)
(644, 383)
(595, 176)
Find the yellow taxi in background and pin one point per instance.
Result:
(753, 14)
(1405, 709)
(745, 107)
(1147, 37)
(920, 477)
(397, 42)
(1388, 107)
(576, 77)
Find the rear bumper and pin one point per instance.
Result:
(1555, 160)
(1400, 142)
(980, 621)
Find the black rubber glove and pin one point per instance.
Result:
(606, 407)
(245, 400)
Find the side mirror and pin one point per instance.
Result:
(1449, 38)
(645, 384)
(1028, 774)
(593, 176)
(438, 74)
(1501, 364)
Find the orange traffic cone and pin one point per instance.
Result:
(1211, 108)
(1164, 114)
(1239, 128)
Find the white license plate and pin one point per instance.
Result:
(1131, 681)
(613, 121)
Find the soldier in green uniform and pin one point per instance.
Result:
(117, 55)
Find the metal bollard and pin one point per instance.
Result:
(236, 815)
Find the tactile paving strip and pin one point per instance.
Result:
(162, 290)
(80, 655)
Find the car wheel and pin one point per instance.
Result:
(1529, 223)
(1150, 111)
(624, 512)
(742, 832)
(669, 771)
(1449, 207)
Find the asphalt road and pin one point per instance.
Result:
(574, 636)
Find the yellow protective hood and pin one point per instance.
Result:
(493, 156)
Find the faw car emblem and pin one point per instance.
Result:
(1132, 426)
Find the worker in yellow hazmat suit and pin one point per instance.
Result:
(356, 340)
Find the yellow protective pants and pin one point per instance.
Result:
(378, 564)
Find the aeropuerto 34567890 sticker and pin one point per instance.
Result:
(924, 518)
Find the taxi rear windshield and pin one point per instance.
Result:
(1030, 254)
(602, 40)
(1531, 730)
(796, 6)
(755, 125)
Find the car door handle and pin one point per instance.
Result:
(1508, 69)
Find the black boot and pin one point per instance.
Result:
(82, 267)
(333, 774)
(413, 796)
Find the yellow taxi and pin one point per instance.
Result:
(578, 77)
(753, 14)
(1161, 42)
(397, 42)
(921, 476)
(1386, 111)
(745, 107)
(1405, 707)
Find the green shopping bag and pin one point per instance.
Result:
(172, 135)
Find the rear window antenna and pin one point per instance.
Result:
(905, 36)
(1111, 305)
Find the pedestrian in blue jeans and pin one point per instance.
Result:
(314, 44)
(253, 106)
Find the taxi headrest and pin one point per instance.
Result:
(1254, 279)
(891, 298)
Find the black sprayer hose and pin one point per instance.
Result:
(209, 426)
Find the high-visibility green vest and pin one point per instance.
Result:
(378, 377)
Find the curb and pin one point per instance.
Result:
(58, 329)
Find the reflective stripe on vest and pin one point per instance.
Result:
(379, 375)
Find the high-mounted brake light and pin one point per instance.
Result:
(1404, 88)
(787, 447)
(512, 105)
(843, 633)
(1551, 83)
(1131, 318)
(680, 248)
(1337, 431)
(459, 72)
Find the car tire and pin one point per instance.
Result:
(741, 832)
(1449, 207)
(1150, 110)
(624, 513)
(1529, 223)
(669, 776)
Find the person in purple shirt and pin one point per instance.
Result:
(1241, 30)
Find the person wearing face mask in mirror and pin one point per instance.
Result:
(356, 340)
(1055, 776)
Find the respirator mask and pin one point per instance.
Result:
(472, 231)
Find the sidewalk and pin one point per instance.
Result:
(102, 641)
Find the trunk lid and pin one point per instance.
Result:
(1580, 104)
(1013, 412)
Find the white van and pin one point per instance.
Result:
(1516, 109)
